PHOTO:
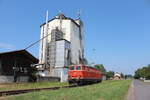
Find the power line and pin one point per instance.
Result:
(45, 33)
(36, 42)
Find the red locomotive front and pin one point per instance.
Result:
(83, 74)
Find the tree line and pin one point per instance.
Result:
(143, 72)
(110, 74)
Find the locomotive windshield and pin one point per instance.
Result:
(78, 68)
(71, 67)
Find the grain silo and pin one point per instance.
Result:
(61, 45)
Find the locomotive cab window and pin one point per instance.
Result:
(71, 67)
(78, 68)
(83, 67)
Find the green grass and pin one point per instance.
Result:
(17, 86)
(107, 90)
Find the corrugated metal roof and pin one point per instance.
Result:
(1, 53)
(20, 52)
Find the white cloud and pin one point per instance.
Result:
(7, 46)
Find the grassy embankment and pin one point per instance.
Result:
(107, 90)
(18, 86)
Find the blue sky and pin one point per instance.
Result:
(118, 30)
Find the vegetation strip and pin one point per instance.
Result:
(107, 90)
(14, 92)
(23, 86)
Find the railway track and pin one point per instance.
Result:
(15, 92)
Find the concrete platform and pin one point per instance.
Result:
(48, 78)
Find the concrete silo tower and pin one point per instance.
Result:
(62, 45)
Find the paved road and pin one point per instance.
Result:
(139, 91)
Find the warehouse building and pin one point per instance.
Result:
(15, 66)
(61, 45)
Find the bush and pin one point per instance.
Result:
(32, 75)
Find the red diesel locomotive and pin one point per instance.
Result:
(81, 74)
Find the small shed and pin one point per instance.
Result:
(15, 66)
(117, 76)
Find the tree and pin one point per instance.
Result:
(137, 74)
(32, 74)
(122, 75)
(128, 76)
(142, 73)
(147, 72)
(101, 67)
(110, 74)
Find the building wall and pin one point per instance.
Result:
(10, 79)
(20, 62)
(62, 49)
(76, 48)
(49, 79)
(104, 77)
(71, 33)
(0, 66)
(61, 72)
(52, 25)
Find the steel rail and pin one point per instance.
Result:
(15, 92)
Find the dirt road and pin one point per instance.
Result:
(139, 91)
